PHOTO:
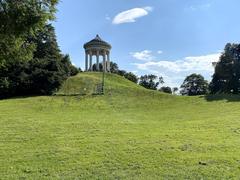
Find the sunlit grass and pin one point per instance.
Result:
(128, 133)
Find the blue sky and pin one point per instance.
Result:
(169, 38)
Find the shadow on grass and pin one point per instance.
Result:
(19, 97)
(78, 94)
(54, 95)
(219, 97)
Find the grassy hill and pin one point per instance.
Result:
(128, 133)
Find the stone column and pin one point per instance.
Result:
(91, 67)
(104, 61)
(108, 61)
(86, 61)
(97, 60)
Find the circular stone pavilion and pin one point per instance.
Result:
(97, 47)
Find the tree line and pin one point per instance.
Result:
(225, 80)
(226, 77)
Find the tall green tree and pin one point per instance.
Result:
(226, 78)
(43, 74)
(49, 68)
(150, 81)
(18, 20)
(193, 85)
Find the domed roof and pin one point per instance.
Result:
(97, 41)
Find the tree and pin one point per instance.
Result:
(113, 67)
(49, 68)
(193, 85)
(150, 81)
(166, 89)
(174, 90)
(132, 77)
(18, 20)
(94, 67)
(226, 78)
(68, 67)
(121, 72)
(41, 75)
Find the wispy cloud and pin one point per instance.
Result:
(145, 55)
(192, 63)
(175, 71)
(130, 16)
(199, 7)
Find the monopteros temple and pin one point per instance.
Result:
(99, 48)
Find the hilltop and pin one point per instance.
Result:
(129, 132)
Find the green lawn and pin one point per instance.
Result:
(129, 133)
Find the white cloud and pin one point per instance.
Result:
(145, 55)
(159, 52)
(194, 63)
(148, 8)
(135, 71)
(175, 71)
(130, 16)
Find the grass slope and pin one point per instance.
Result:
(129, 133)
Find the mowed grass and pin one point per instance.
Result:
(128, 133)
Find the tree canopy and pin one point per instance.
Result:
(226, 78)
(166, 89)
(131, 77)
(193, 85)
(150, 81)
(43, 74)
(20, 19)
(30, 59)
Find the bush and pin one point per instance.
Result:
(130, 76)
(166, 89)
